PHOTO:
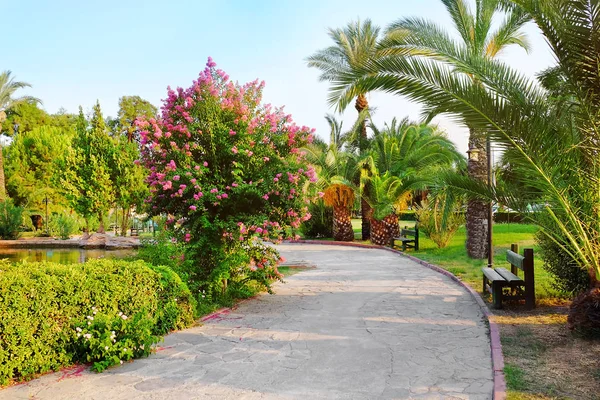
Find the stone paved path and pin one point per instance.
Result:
(365, 324)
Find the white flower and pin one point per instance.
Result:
(78, 329)
(121, 361)
(94, 312)
(105, 347)
(79, 334)
(87, 336)
(114, 340)
(112, 333)
(93, 308)
(89, 323)
(142, 347)
(90, 317)
(175, 299)
(124, 316)
(125, 349)
(120, 313)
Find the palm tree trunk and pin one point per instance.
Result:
(366, 211)
(2, 180)
(342, 225)
(383, 231)
(477, 210)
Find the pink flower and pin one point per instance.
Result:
(234, 150)
(188, 237)
(321, 194)
(167, 185)
(250, 154)
(182, 187)
(214, 190)
(176, 177)
(224, 195)
(231, 132)
(205, 164)
(266, 197)
(234, 184)
(275, 179)
(197, 167)
(259, 230)
(265, 159)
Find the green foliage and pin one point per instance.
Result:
(320, 224)
(52, 315)
(438, 225)
(85, 172)
(63, 225)
(30, 164)
(130, 109)
(11, 218)
(568, 276)
(407, 215)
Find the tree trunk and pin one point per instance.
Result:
(383, 231)
(2, 180)
(101, 223)
(365, 210)
(125, 221)
(477, 210)
(342, 225)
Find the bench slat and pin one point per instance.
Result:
(515, 259)
(404, 239)
(492, 275)
(408, 232)
(509, 276)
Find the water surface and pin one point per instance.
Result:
(62, 256)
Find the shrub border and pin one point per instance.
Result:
(499, 392)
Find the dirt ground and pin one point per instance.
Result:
(544, 360)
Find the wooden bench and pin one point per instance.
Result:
(408, 237)
(506, 285)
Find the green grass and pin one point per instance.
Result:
(454, 257)
(515, 377)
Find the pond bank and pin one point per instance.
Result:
(95, 241)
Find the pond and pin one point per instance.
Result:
(62, 256)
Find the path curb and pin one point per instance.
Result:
(495, 344)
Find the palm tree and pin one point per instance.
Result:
(354, 45)
(336, 170)
(554, 143)
(335, 135)
(403, 158)
(414, 37)
(8, 87)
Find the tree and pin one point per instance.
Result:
(553, 142)
(30, 165)
(417, 36)
(131, 108)
(354, 45)
(335, 134)
(402, 158)
(85, 171)
(228, 171)
(336, 171)
(8, 87)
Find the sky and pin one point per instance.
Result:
(76, 52)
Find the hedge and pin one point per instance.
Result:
(103, 312)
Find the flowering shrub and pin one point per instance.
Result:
(229, 173)
(52, 315)
(109, 339)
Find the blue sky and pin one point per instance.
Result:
(76, 52)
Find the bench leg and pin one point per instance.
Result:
(403, 246)
(497, 294)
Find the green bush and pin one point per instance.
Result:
(320, 225)
(102, 311)
(407, 215)
(568, 276)
(11, 218)
(63, 225)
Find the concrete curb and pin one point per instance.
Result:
(495, 344)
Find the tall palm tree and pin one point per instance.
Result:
(354, 45)
(336, 170)
(554, 143)
(415, 37)
(8, 87)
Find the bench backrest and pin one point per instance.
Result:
(524, 263)
(409, 232)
